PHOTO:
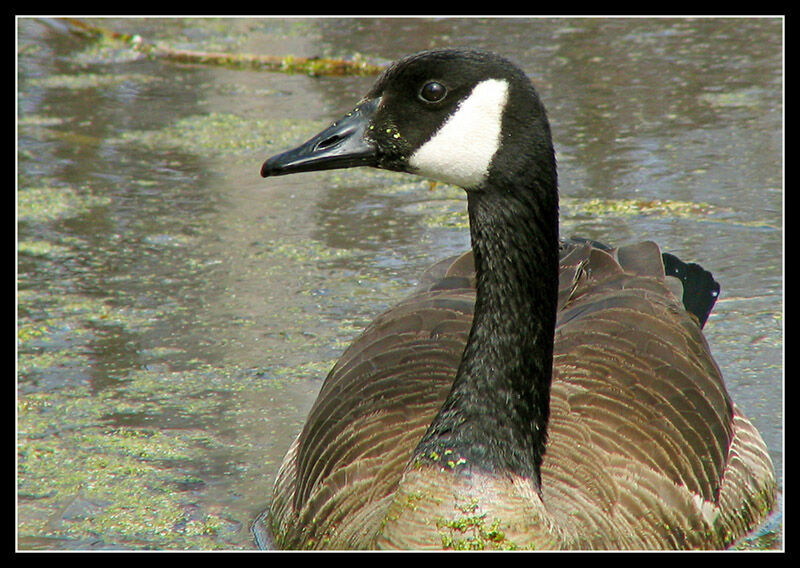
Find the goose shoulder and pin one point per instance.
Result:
(372, 409)
(645, 447)
(634, 402)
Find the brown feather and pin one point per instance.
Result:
(645, 450)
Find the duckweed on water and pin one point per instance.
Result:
(306, 250)
(122, 472)
(54, 336)
(47, 203)
(90, 80)
(223, 133)
(91, 468)
(96, 465)
(747, 97)
(42, 248)
(671, 208)
(312, 370)
(449, 212)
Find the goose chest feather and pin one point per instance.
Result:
(532, 393)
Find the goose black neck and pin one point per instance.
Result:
(495, 418)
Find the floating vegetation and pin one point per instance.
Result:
(657, 207)
(48, 203)
(89, 80)
(216, 133)
(307, 250)
(102, 480)
(578, 208)
(749, 97)
(99, 466)
(471, 531)
(42, 249)
(357, 65)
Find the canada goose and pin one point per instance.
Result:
(533, 393)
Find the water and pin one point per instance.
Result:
(177, 313)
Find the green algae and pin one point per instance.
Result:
(748, 97)
(99, 465)
(108, 40)
(42, 248)
(444, 209)
(470, 530)
(48, 203)
(311, 370)
(90, 80)
(52, 329)
(90, 465)
(29, 331)
(624, 207)
(123, 468)
(132, 484)
(219, 133)
(306, 250)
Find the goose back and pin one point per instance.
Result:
(645, 448)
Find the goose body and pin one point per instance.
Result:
(532, 393)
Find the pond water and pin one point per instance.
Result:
(176, 313)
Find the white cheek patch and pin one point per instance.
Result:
(461, 151)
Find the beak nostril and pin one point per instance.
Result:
(328, 142)
(336, 138)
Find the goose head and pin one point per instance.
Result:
(463, 117)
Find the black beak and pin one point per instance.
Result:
(341, 145)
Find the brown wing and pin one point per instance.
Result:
(634, 383)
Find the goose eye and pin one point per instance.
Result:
(432, 92)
